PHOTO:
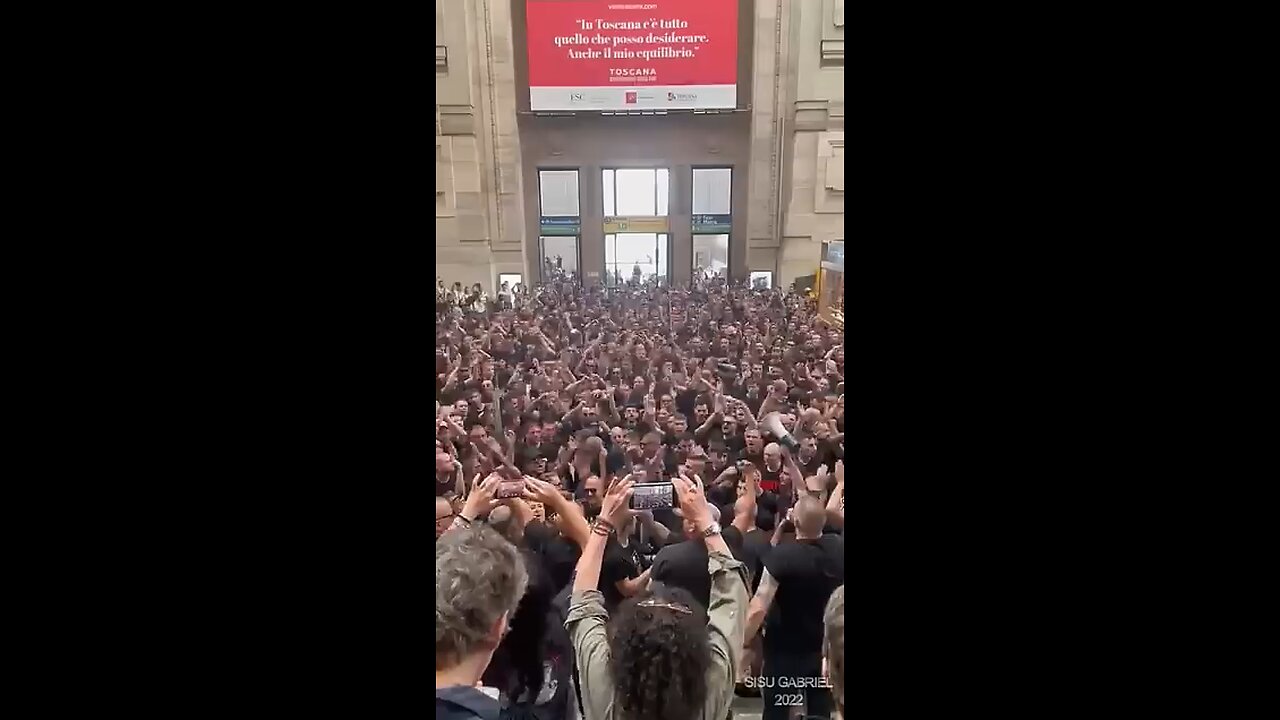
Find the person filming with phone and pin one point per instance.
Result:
(664, 656)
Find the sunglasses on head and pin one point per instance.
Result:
(651, 603)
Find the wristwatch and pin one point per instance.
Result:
(712, 529)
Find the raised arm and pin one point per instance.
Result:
(587, 615)
(835, 506)
(569, 517)
(587, 576)
(793, 470)
(760, 604)
(726, 612)
(743, 520)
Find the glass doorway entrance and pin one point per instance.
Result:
(559, 256)
(636, 256)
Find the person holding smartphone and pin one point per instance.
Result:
(662, 638)
(621, 576)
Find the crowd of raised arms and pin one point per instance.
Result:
(639, 501)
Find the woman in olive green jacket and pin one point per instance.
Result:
(663, 657)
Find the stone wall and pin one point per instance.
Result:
(797, 135)
(786, 143)
(479, 200)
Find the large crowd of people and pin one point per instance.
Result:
(639, 502)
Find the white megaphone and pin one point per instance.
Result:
(773, 423)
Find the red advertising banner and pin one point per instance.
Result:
(616, 55)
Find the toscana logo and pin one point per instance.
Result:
(681, 97)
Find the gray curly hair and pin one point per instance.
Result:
(479, 576)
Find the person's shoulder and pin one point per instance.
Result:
(459, 703)
(786, 552)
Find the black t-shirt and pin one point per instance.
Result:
(620, 563)
(810, 468)
(807, 572)
(771, 480)
(550, 450)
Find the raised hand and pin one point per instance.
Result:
(481, 500)
(615, 508)
(540, 491)
(693, 501)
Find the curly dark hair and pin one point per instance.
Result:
(658, 658)
(516, 666)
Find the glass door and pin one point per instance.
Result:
(637, 243)
(712, 219)
(636, 257)
(561, 226)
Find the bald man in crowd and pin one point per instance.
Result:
(800, 575)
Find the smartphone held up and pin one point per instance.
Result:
(647, 496)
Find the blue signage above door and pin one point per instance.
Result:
(560, 225)
(718, 224)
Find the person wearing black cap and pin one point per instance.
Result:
(684, 564)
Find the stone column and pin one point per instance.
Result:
(768, 114)
(480, 223)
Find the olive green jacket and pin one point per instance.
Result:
(726, 623)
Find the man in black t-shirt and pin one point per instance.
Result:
(620, 574)
(808, 458)
(771, 470)
(799, 577)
